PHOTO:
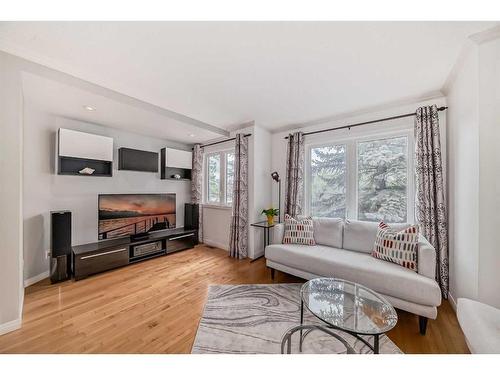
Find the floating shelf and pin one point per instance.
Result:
(71, 166)
(177, 179)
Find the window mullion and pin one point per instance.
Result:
(351, 188)
(222, 178)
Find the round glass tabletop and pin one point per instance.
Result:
(348, 306)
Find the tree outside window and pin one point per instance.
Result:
(220, 177)
(377, 189)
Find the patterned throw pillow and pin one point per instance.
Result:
(298, 231)
(397, 247)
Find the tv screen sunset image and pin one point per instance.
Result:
(124, 214)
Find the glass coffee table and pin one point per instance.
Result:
(343, 306)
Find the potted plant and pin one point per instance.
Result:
(270, 213)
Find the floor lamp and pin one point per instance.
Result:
(276, 177)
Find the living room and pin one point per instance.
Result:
(263, 187)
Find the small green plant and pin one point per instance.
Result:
(270, 212)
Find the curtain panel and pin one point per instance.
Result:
(197, 186)
(294, 185)
(238, 240)
(431, 212)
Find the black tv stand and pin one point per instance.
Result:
(104, 255)
(139, 237)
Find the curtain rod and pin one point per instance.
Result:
(367, 122)
(225, 140)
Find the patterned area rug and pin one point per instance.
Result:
(252, 319)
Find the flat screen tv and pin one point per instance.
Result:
(121, 215)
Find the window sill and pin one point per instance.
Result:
(217, 207)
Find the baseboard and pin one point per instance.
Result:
(215, 244)
(452, 301)
(10, 326)
(260, 254)
(35, 279)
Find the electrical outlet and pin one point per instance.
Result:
(47, 254)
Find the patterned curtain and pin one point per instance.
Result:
(238, 240)
(294, 190)
(197, 185)
(430, 203)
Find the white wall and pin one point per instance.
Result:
(11, 292)
(216, 224)
(45, 191)
(261, 183)
(489, 172)
(474, 136)
(463, 178)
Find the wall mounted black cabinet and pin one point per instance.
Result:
(137, 160)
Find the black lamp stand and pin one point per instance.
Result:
(276, 177)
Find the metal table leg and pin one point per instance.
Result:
(266, 243)
(376, 344)
(301, 322)
(287, 338)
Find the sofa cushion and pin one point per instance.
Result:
(298, 231)
(399, 247)
(383, 277)
(361, 235)
(328, 231)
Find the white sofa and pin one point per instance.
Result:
(343, 250)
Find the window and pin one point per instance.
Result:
(382, 180)
(213, 190)
(328, 181)
(220, 177)
(361, 178)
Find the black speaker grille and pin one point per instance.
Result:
(60, 233)
(191, 215)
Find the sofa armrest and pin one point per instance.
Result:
(278, 232)
(426, 258)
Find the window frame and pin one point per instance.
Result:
(351, 142)
(222, 203)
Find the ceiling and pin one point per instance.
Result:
(69, 101)
(227, 73)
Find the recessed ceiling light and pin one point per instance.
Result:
(191, 135)
(89, 108)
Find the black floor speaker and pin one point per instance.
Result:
(191, 216)
(60, 246)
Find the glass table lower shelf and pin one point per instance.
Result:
(343, 306)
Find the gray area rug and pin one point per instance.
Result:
(252, 319)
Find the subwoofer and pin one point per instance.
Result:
(60, 246)
(191, 216)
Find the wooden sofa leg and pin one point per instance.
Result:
(272, 273)
(422, 324)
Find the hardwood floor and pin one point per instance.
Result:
(155, 306)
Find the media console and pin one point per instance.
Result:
(101, 256)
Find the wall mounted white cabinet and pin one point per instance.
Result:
(82, 145)
(79, 151)
(179, 159)
(176, 163)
